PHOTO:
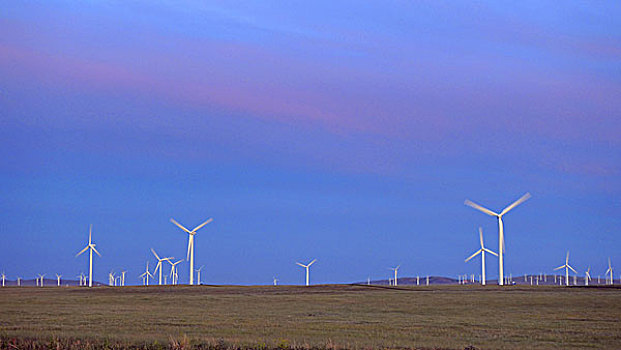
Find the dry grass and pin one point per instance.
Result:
(326, 317)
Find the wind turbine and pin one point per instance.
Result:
(395, 269)
(58, 279)
(111, 279)
(146, 274)
(275, 281)
(190, 256)
(482, 252)
(19, 281)
(159, 264)
(198, 272)
(501, 237)
(609, 271)
(90, 247)
(3, 278)
(41, 277)
(123, 278)
(173, 271)
(566, 267)
(307, 267)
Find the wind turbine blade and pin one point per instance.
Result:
(478, 207)
(473, 255)
(190, 245)
(481, 237)
(90, 232)
(516, 203)
(560, 267)
(201, 225)
(82, 251)
(95, 250)
(567, 259)
(300, 264)
(491, 252)
(179, 225)
(154, 253)
(312, 262)
(571, 268)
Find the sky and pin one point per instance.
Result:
(344, 131)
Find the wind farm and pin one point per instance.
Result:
(324, 175)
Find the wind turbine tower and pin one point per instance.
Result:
(3, 278)
(191, 234)
(482, 252)
(567, 268)
(501, 238)
(307, 267)
(58, 279)
(90, 247)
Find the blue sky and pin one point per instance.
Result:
(346, 132)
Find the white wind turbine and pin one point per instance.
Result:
(587, 276)
(19, 281)
(482, 252)
(173, 271)
(3, 278)
(275, 281)
(566, 267)
(395, 269)
(198, 272)
(146, 274)
(190, 256)
(501, 237)
(58, 279)
(609, 271)
(159, 264)
(123, 278)
(307, 267)
(111, 279)
(41, 278)
(90, 247)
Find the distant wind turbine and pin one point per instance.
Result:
(275, 281)
(501, 237)
(58, 279)
(567, 268)
(146, 274)
(191, 234)
(41, 278)
(173, 272)
(159, 264)
(395, 269)
(482, 252)
(609, 271)
(123, 278)
(307, 267)
(198, 272)
(90, 247)
(3, 278)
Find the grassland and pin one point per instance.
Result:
(334, 316)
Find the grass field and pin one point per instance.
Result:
(331, 316)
